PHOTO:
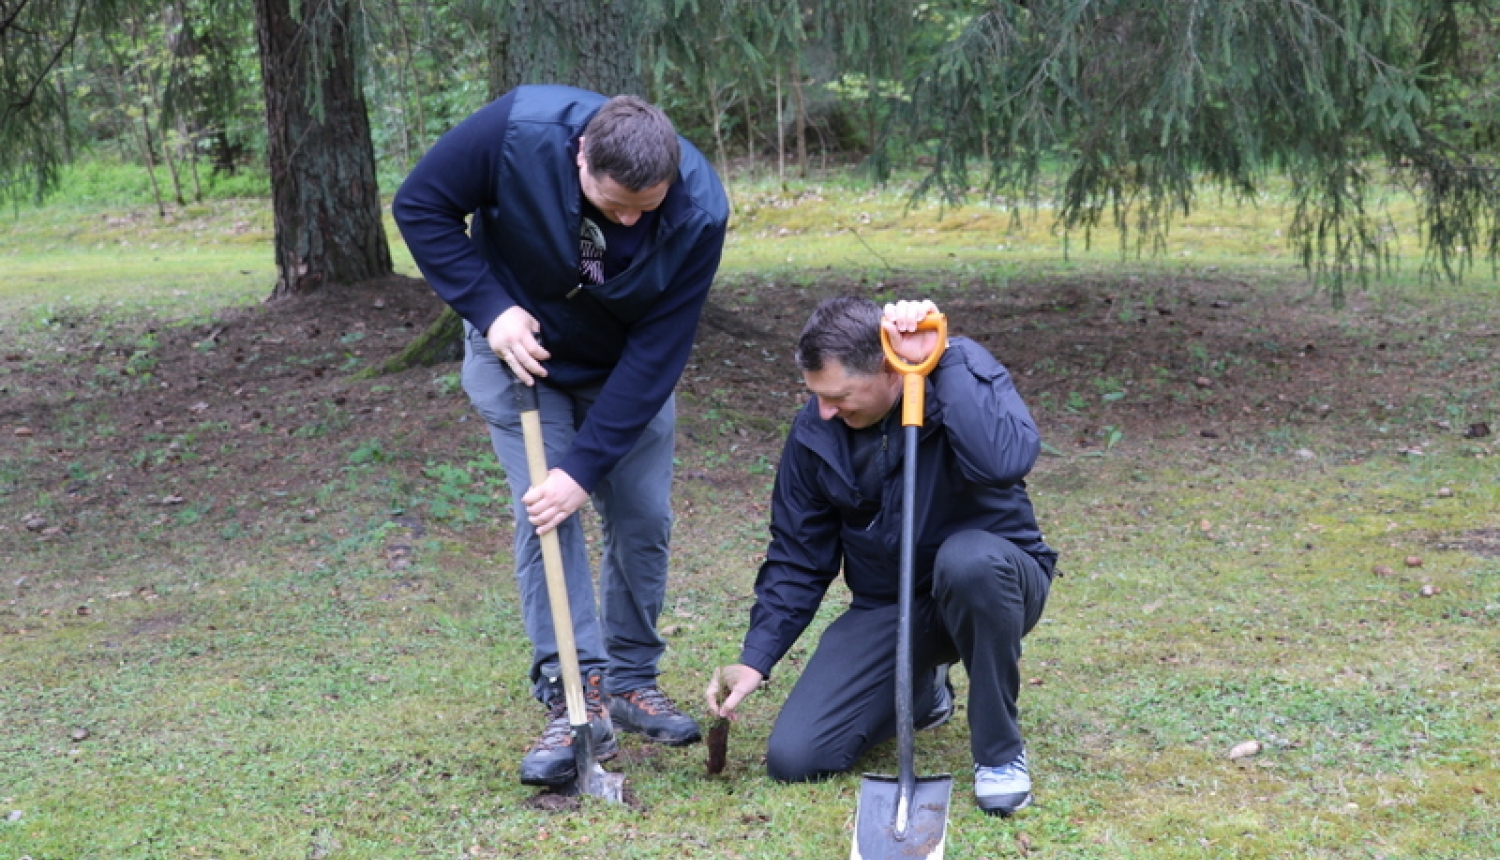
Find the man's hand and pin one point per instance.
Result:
(900, 324)
(553, 501)
(740, 680)
(513, 337)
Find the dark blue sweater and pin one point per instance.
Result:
(512, 166)
(976, 445)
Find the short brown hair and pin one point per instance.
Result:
(844, 329)
(632, 142)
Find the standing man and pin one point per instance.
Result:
(982, 569)
(594, 235)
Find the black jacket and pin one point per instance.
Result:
(512, 166)
(977, 443)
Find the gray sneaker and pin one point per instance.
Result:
(1005, 789)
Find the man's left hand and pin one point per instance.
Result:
(549, 504)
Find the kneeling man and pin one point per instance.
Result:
(982, 569)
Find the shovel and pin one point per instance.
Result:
(589, 777)
(906, 816)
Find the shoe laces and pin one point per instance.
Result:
(653, 701)
(1014, 772)
(593, 698)
(559, 731)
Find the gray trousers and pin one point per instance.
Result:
(986, 594)
(617, 634)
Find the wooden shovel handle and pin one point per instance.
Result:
(529, 405)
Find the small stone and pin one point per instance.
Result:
(15, 815)
(1203, 382)
(1445, 492)
(1477, 431)
(1414, 561)
(24, 431)
(35, 522)
(1304, 454)
(1245, 749)
(79, 734)
(380, 304)
(84, 610)
(1429, 591)
(1383, 570)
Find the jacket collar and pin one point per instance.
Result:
(828, 441)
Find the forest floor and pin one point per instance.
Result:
(255, 606)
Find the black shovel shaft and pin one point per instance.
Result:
(905, 727)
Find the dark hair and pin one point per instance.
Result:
(632, 142)
(846, 330)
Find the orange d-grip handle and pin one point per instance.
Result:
(912, 384)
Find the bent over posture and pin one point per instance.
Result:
(982, 569)
(594, 233)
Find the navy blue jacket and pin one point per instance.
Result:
(977, 443)
(513, 167)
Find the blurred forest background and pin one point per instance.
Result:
(1112, 114)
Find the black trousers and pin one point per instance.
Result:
(986, 595)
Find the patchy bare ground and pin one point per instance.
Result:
(259, 402)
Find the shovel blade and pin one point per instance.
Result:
(590, 778)
(875, 833)
(600, 783)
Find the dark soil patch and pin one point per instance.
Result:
(258, 406)
(1481, 542)
(158, 625)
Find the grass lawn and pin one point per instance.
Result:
(256, 608)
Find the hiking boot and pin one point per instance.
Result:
(942, 707)
(649, 712)
(1003, 790)
(550, 761)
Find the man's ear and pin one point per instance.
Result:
(581, 142)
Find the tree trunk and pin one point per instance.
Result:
(749, 139)
(324, 197)
(801, 107)
(586, 43)
(780, 137)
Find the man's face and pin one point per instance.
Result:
(613, 200)
(860, 401)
